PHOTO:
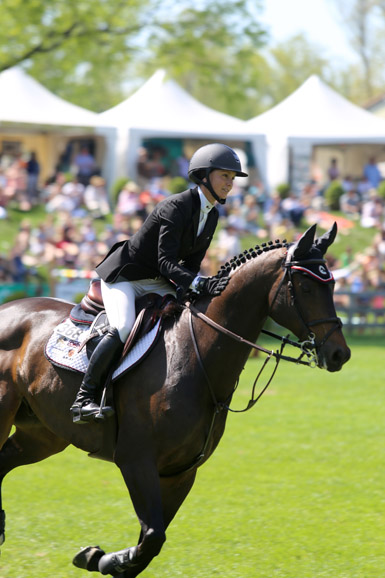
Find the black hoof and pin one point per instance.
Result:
(117, 561)
(88, 558)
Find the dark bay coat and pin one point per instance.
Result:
(166, 244)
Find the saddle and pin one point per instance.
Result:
(73, 341)
(148, 309)
(92, 301)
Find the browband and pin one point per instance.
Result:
(320, 272)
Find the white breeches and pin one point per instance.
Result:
(119, 300)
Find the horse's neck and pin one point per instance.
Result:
(244, 307)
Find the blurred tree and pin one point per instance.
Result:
(364, 22)
(84, 49)
(291, 63)
(77, 48)
(96, 52)
(213, 51)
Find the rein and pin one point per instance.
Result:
(277, 354)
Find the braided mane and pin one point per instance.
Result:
(249, 254)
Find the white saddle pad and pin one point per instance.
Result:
(62, 348)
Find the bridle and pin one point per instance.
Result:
(309, 346)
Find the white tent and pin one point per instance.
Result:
(161, 108)
(312, 115)
(24, 100)
(34, 119)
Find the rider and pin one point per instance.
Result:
(163, 257)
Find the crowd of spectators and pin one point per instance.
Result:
(82, 221)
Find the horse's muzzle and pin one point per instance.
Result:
(332, 357)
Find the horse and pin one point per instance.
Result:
(171, 410)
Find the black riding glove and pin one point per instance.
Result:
(209, 285)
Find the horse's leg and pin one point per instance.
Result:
(26, 446)
(142, 480)
(132, 561)
(174, 491)
(151, 499)
(9, 404)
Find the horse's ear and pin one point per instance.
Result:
(304, 244)
(327, 239)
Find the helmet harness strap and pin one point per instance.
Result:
(209, 186)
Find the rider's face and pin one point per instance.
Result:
(222, 183)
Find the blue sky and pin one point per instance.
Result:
(320, 20)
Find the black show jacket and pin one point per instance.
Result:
(166, 244)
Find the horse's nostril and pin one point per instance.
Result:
(341, 356)
(338, 356)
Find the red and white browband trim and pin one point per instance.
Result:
(323, 274)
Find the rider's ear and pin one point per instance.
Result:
(304, 244)
(327, 239)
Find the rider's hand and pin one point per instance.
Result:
(209, 285)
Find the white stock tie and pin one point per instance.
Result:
(203, 218)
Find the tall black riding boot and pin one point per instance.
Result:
(106, 353)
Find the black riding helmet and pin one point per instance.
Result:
(210, 157)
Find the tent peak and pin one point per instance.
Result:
(162, 105)
(157, 78)
(24, 100)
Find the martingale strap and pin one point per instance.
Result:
(218, 405)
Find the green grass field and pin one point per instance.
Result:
(295, 489)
